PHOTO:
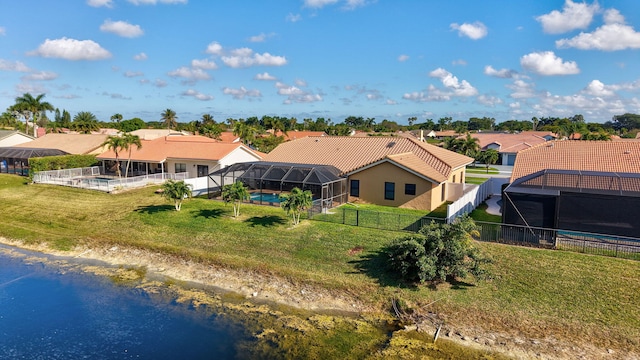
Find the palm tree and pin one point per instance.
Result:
(116, 117)
(469, 146)
(295, 202)
(168, 118)
(129, 140)
(176, 191)
(207, 119)
(235, 193)
(85, 122)
(117, 144)
(246, 133)
(31, 107)
(490, 157)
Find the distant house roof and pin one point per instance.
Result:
(604, 156)
(294, 134)
(151, 134)
(228, 137)
(14, 137)
(192, 147)
(77, 144)
(512, 143)
(350, 154)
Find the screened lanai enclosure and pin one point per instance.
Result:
(589, 201)
(15, 160)
(267, 180)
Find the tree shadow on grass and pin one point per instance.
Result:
(266, 221)
(154, 209)
(459, 285)
(209, 213)
(374, 265)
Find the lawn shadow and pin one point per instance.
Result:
(459, 285)
(374, 265)
(154, 209)
(209, 213)
(266, 221)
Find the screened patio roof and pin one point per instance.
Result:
(306, 174)
(27, 153)
(552, 181)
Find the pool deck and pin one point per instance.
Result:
(492, 205)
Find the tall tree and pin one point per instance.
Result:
(117, 144)
(117, 118)
(85, 122)
(207, 119)
(129, 141)
(489, 157)
(31, 107)
(169, 118)
(235, 194)
(176, 191)
(296, 202)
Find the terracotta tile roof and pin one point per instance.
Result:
(294, 134)
(228, 137)
(352, 153)
(193, 147)
(414, 163)
(605, 156)
(150, 134)
(70, 143)
(510, 143)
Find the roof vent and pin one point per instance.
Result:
(627, 151)
(391, 144)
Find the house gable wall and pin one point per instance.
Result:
(14, 139)
(372, 182)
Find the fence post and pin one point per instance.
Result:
(357, 217)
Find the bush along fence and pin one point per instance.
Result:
(595, 244)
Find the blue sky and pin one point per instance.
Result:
(324, 58)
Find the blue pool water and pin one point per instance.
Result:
(266, 197)
(45, 314)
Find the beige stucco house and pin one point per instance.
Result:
(390, 171)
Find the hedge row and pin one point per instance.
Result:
(61, 162)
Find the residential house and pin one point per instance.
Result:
(12, 137)
(193, 154)
(391, 171)
(591, 186)
(508, 144)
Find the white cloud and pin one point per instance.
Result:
(197, 95)
(34, 88)
(354, 4)
(609, 37)
(573, 16)
(265, 76)
(490, 101)
(260, 38)
(6, 65)
(241, 93)
(403, 58)
(159, 83)
(41, 76)
(71, 49)
(3, 31)
(474, 31)
(547, 63)
(451, 82)
(116, 96)
(131, 74)
(99, 3)
(459, 62)
(522, 90)
(390, 102)
(214, 48)
(204, 64)
(140, 57)
(597, 88)
(189, 74)
(502, 73)
(319, 3)
(153, 2)
(293, 17)
(301, 83)
(295, 94)
(121, 28)
(244, 58)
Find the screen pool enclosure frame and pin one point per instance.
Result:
(590, 201)
(325, 182)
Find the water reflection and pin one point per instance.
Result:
(45, 314)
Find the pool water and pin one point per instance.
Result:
(266, 197)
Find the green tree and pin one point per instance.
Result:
(129, 141)
(489, 157)
(85, 122)
(169, 118)
(437, 253)
(235, 194)
(207, 119)
(469, 146)
(117, 144)
(295, 203)
(31, 108)
(117, 118)
(176, 191)
(131, 125)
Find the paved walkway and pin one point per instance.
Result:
(493, 207)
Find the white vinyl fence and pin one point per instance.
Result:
(474, 195)
(89, 178)
(199, 186)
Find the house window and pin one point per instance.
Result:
(389, 191)
(203, 170)
(355, 188)
(454, 178)
(409, 189)
(444, 192)
(181, 167)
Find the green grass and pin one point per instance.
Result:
(537, 293)
(481, 170)
(475, 180)
(480, 214)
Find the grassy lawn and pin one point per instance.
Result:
(480, 214)
(475, 180)
(481, 170)
(537, 293)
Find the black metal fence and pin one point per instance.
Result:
(589, 243)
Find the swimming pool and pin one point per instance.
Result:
(265, 197)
